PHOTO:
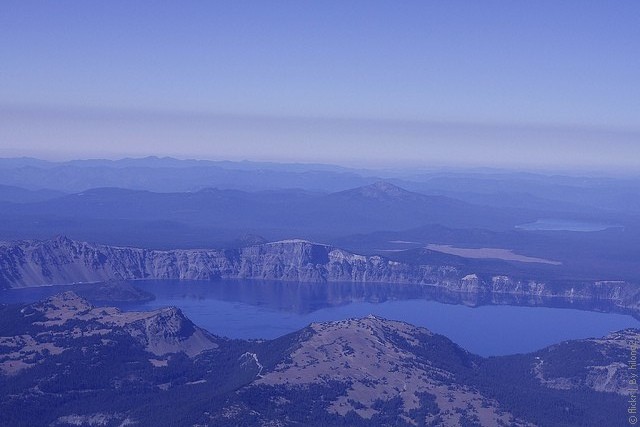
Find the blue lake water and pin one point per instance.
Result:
(565, 225)
(255, 309)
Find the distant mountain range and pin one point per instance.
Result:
(64, 362)
(166, 204)
(13, 194)
(501, 188)
(213, 217)
(367, 208)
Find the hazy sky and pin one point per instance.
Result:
(497, 83)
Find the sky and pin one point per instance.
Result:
(516, 84)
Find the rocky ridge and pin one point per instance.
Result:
(382, 360)
(62, 260)
(59, 321)
(65, 362)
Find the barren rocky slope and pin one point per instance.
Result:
(64, 362)
(66, 317)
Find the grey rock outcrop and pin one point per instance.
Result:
(62, 260)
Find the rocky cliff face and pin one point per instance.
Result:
(33, 263)
(61, 260)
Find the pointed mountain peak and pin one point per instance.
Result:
(385, 187)
(381, 190)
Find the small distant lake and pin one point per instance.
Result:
(565, 225)
(255, 309)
